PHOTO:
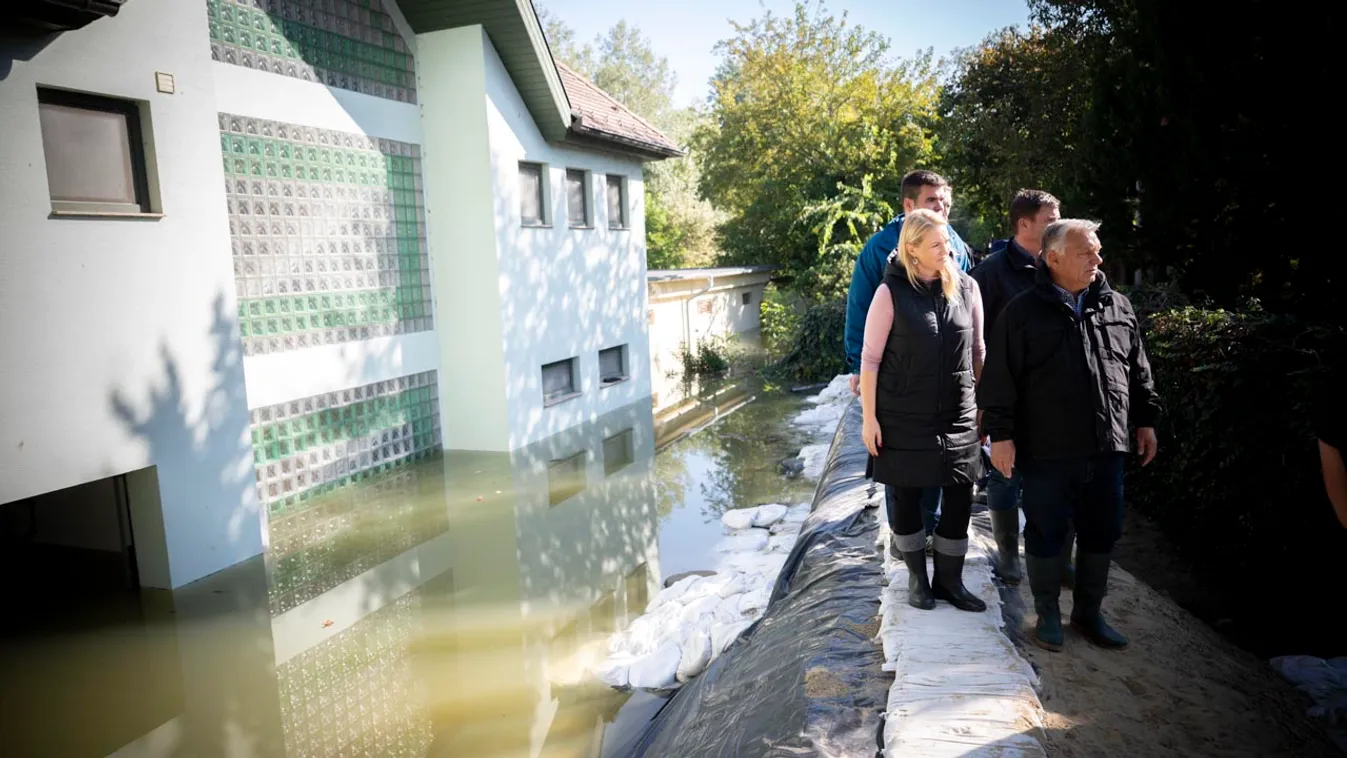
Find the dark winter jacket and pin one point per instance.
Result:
(868, 272)
(1001, 276)
(1062, 386)
(924, 399)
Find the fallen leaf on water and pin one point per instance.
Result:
(327, 623)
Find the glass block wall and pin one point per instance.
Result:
(314, 445)
(329, 235)
(351, 44)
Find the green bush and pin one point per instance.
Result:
(816, 354)
(781, 320)
(1237, 483)
(709, 357)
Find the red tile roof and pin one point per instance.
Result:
(596, 114)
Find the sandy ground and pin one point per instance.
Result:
(1178, 690)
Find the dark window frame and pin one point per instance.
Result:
(135, 136)
(543, 219)
(624, 363)
(585, 193)
(623, 222)
(574, 390)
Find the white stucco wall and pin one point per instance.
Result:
(563, 292)
(119, 342)
(510, 299)
(451, 80)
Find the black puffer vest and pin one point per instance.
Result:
(925, 398)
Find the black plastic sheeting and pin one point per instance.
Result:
(806, 679)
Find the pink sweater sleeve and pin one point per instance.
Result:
(878, 322)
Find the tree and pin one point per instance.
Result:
(1011, 118)
(1147, 115)
(841, 224)
(799, 105)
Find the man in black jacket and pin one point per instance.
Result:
(1004, 274)
(1065, 380)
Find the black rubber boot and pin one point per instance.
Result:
(948, 584)
(1006, 529)
(1091, 586)
(1068, 568)
(918, 584)
(1045, 583)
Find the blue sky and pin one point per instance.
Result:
(684, 31)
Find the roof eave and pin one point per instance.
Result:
(583, 136)
(512, 26)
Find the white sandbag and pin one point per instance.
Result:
(695, 655)
(738, 518)
(658, 671)
(704, 606)
(733, 586)
(746, 541)
(783, 543)
(727, 612)
(673, 592)
(724, 635)
(815, 458)
(647, 633)
(709, 585)
(797, 514)
(766, 515)
(615, 672)
(755, 601)
(785, 527)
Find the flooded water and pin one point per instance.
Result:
(442, 609)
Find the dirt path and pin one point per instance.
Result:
(1179, 690)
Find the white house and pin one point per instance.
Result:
(689, 306)
(251, 250)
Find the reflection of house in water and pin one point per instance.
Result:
(435, 610)
(696, 404)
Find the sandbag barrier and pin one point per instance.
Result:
(808, 677)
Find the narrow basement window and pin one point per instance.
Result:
(559, 382)
(613, 365)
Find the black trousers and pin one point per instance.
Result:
(905, 511)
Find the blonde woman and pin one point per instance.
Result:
(921, 358)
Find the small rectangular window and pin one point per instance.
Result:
(559, 381)
(748, 298)
(577, 197)
(613, 365)
(617, 202)
(532, 197)
(95, 153)
(565, 478)
(619, 451)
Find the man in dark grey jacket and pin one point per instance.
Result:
(1007, 272)
(1066, 379)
